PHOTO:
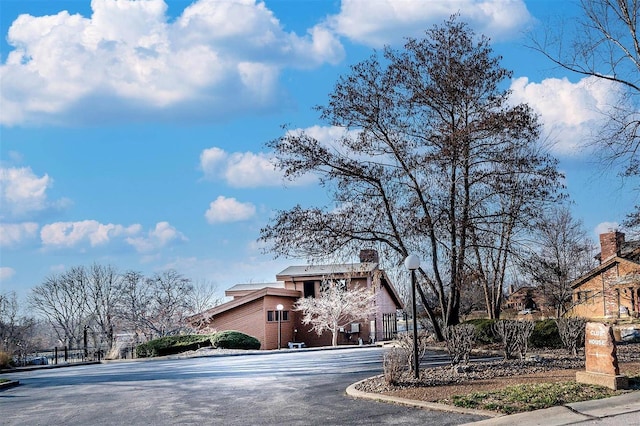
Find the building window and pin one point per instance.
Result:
(309, 289)
(273, 316)
(585, 296)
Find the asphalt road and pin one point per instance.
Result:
(292, 388)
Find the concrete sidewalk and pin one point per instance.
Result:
(617, 410)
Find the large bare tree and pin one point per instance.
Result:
(605, 44)
(61, 299)
(433, 160)
(103, 292)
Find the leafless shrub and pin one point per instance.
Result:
(460, 340)
(515, 336)
(405, 344)
(571, 333)
(394, 363)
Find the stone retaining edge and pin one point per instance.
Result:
(355, 393)
(9, 384)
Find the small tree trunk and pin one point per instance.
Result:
(334, 335)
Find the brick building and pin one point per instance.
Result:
(253, 308)
(532, 298)
(612, 289)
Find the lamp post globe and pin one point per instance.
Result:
(412, 262)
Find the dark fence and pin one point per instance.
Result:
(62, 355)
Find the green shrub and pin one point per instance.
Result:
(484, 330)
(545, 335)
(231, 339)
(170, 345)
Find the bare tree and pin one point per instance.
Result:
(561, 251)
(103, 293)
(61, 299)
(169, 302)
(16, 331)
(134, 306)
(337, 306)
(204, 296)
(433, 160)
(605, 44)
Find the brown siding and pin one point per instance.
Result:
(247, 319)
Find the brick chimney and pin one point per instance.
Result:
(369, 256)
(610, 245)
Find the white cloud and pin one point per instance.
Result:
(604, 227)
(212, 162)
(229, 210)
(570, 112)
(380, 22)
(12, 234)
(240, 169)
(159, 237)
(71, 234)
(129, 57)
(6, 273)
(22, 192)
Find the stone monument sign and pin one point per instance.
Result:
(601, 359)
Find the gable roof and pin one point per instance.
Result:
(255, 295)
(601, 268)
(324, 270)
(254, 286)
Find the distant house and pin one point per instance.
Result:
(253, 309)
(527, 299)
(612, 289)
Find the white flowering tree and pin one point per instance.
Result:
(336, 307)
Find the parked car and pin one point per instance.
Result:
(39, 360)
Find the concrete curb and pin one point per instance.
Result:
(207, 352)
(9, 384)
(355, 393)
(47, 367)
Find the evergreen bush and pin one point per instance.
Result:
(170, 345)
(231, 339)
(484, 331)
(545, 335)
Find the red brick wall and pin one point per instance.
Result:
(610, 244)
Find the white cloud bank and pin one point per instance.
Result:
(225, 209)
(130, 57)
(380, 22)
(162, 235)
(12, 234)
(240, 169)
(22, 192)
(94, 234)
(570, 112)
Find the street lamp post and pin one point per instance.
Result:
(279, 307)
(412, 262)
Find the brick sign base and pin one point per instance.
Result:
(601, 360)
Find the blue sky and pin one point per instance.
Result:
(132, 132)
